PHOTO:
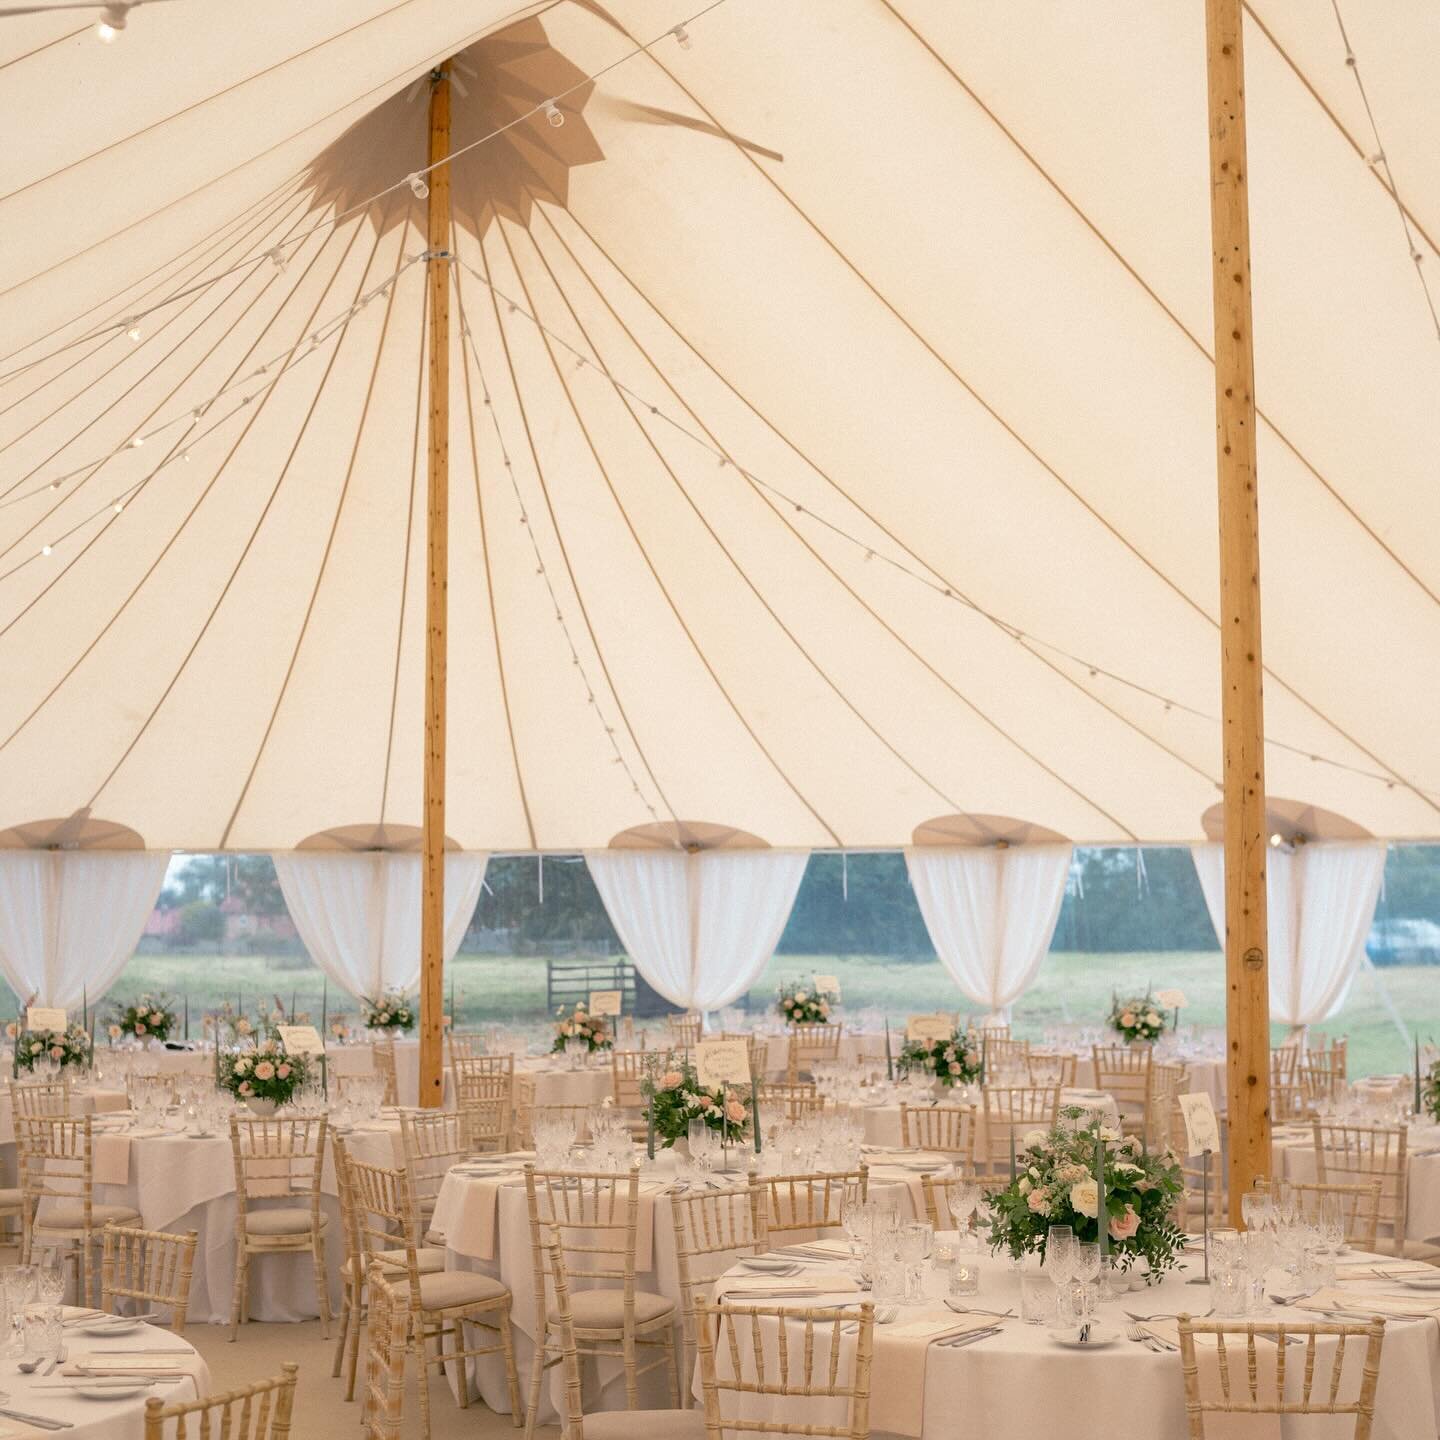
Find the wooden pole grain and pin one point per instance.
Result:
(1247, 1014)
(432, 897)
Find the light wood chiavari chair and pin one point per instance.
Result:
(40, 1097)
(684, 1030)
(1240, 1388)
(800, 1369)
(260, 1411)
(614, 1424)
(790, 1100)
(56, 1159)
(486, 1126)
(789, 1204)
(1359, 1208)
(1320, 1086)
(388, 1326)
(278, 1159)
(1360, 1154)
(1285, 1098)
(712, 1231)
(810, 1045)
(484, 1077)
(1124, 1071)
(949, 1129)
(433, 1141)
(441, 1303)
(1004, 1055)
(382, 1059)
(147, 1265)
(1011, 1110)
(593, 1218)
(1167, 1082)
(355, 1269)
(628, 1069)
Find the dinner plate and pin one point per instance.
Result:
(111, 1392)
(1100, 1336)
(114, 1325)
(1417, 1282)
(761, 1264)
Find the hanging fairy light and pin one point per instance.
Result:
(554, 114)
(418, 187)
(112, 22)
(682, 37)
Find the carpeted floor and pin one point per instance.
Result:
(320, 1409)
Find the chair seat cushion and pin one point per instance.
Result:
(605, 1309)
(282, 1220)
(646, 1425)
(428, 1262)
(70, 1215)
(449, 1288)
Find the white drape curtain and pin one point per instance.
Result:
(1321, 901)
(359, 915)
(70, 919)
(991, 913)
(700, 928)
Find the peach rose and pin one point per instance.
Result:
(1126, 1226)
(735, 1112)
(264, 1071)
(57, 1052)
(670, 1080)
(114, 1032)
(283, 1071)
(139, 1028)
(244, 1087)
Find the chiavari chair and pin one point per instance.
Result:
(1360, 1154)
(259, 1411)
(1011, 1110)
(949, 1129)
(812, 1044)
(1124, 1072)
(802, 1204)
(150, 1266)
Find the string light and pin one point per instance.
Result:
(132, 331)
(682, 37)
(554, 114)
(136, 441)
(47, 549)
(277, 258)
(418, 188)
(112, 22)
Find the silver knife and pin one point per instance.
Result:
(41, 1422)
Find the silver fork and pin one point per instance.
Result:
(968, 1337)
(1144, 1337)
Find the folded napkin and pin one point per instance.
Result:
(901, 1353)
(1367, 1302)
(111, 1159)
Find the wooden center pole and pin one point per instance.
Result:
(1247, 985)
(432, 897)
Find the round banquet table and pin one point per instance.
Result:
(882, 1120)
(1022, 1385)
(543, 1081)
(181, 1182)
(486, 1226)
(88, 1419)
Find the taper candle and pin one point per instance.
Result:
(1101, 1219)
(755, 1109)
(889, 1060)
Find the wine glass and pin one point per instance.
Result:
(964, 1201)
(917, 1243)
(1060, 1258)
(50, 1277)
(1085, 1270)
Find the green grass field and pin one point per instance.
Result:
(1071, 989)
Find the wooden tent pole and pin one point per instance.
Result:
(432, 899)
(1247, 1011)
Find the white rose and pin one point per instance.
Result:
(1152, 1018)
(1033, 1137)
(1085, 1198)
(802, 994)
(1024, 1186)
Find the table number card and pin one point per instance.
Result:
(1171, 999)
(828, 985)
(929, 1027)
(604, 1002)
(1202, 1130)
(301, 1040)
(722, 1062)
(45, 1017)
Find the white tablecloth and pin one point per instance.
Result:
(103, 1419)
(553, 1082)
(1021, 1385)
(487, 1228)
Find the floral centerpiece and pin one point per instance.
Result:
(266, 1074)
(1056, 1184)
(954, 1059)
(70, 1046)
(802, 1004)
(676, 1098)
(580, 1024)
(1430, 1091)
(148, 1018)
(390, 1011)
(1137, 1018)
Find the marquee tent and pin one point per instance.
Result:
(831, 430)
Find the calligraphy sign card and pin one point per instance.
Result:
(720, 1063)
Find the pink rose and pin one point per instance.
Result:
(670, 1080)
(264, 1071)
(139, 1028)
(1126, 1226)
(282, 1071)
(57, 1052)
(244, 1087)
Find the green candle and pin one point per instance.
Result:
(1100, 1217)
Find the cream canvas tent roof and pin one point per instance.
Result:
(832, 434)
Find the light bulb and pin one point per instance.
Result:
(118, 506)
(105, 32)
(136, 441)
(111, 23)
(418, 187)
(554, 114)
(682, 36)
(132, 332)
(1276, 841)
(47, 549)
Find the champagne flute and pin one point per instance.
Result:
(1085, 1269)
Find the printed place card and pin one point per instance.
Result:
(722, 1062)
(1171, 999)
(301, 1040)
(604, 1002)
(1202, 1130)
(45, 1017)
(929, 1027)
